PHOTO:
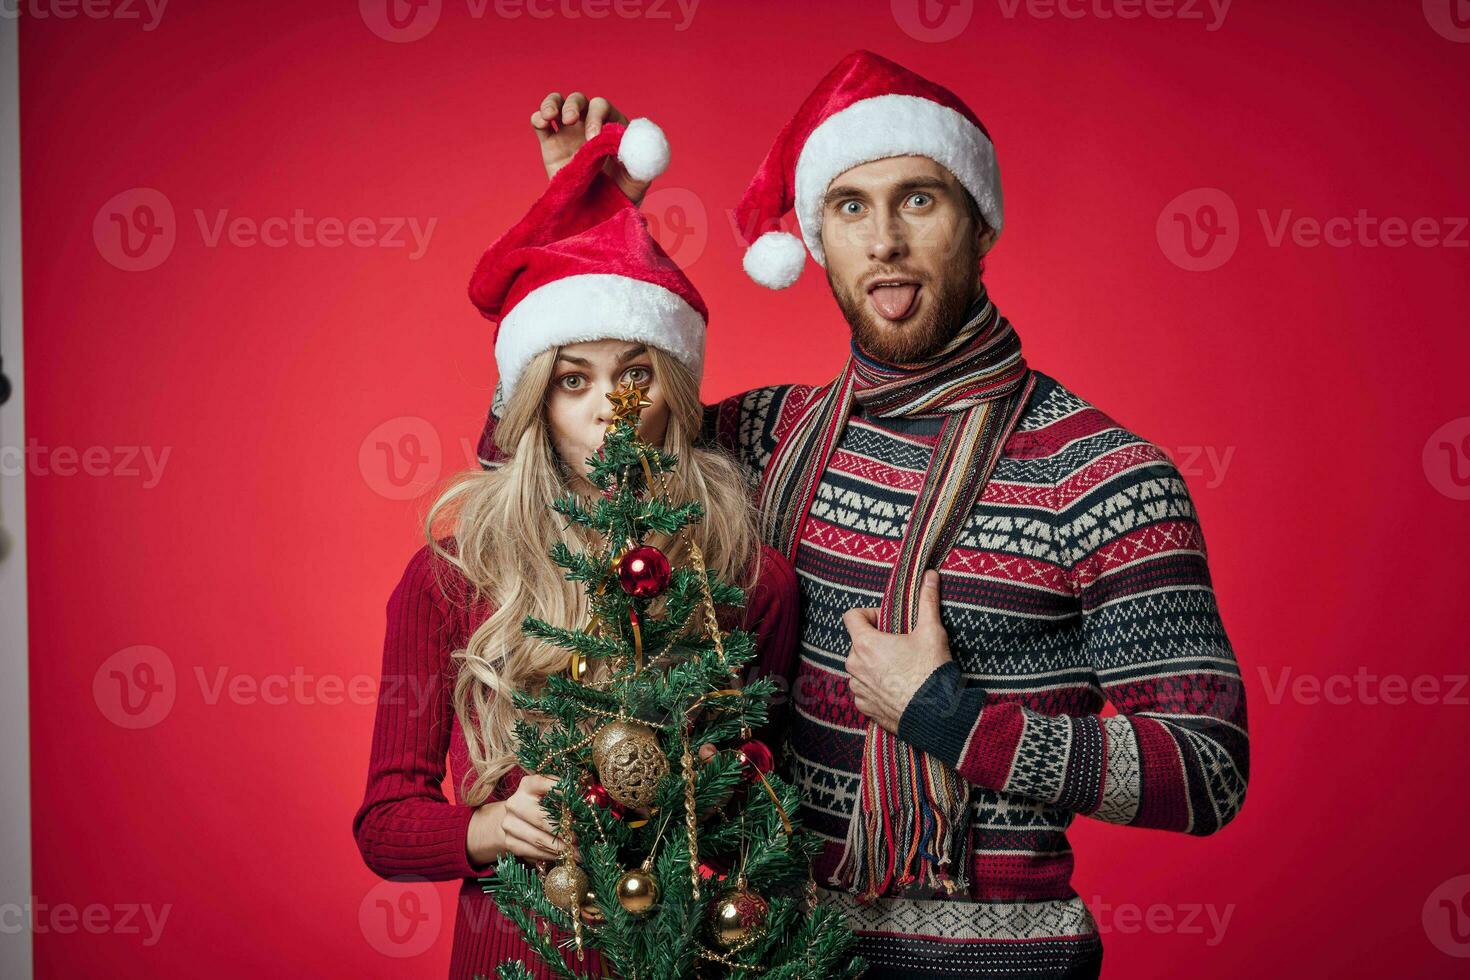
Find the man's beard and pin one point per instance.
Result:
(923, 335)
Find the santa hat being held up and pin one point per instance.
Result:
(582, 265)
(867, 108)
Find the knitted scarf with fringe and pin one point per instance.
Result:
(911, 812)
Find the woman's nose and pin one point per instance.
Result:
(602, 409)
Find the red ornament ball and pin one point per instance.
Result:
(644, 572)
(757, 757)
(598, 796)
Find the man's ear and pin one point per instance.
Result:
(987, 238)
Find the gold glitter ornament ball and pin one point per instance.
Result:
(629, 762)
(638, 891)
(566, 886)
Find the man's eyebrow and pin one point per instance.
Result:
(921, 183)
(840, 191)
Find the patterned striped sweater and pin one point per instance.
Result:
(1079, 581)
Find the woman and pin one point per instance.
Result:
(585, 301)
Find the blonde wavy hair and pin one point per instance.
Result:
(503, 528)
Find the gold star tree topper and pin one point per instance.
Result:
(628, 400)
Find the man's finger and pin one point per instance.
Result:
(574, 107)
(929, 599)
(551, 106)
(860, 620)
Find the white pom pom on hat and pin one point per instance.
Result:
(775, 259)
(644, 150)
(867, 108)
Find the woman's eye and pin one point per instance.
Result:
(638, 375)
(571, 382)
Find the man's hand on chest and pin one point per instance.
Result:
(887, 669)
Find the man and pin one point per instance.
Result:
(985, 558)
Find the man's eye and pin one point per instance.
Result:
(920, 199)
(638, 375)
(850, 207)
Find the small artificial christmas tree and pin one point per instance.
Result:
(682, 872)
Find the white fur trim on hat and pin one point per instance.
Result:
(893, 126)
(775, 259)
(643, 150)
(596, 306)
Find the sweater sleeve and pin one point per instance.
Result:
(1175, 756)
(748, 425)
(405, 825)
(772, 615)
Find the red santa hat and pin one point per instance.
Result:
(867, 108)
(582, 265)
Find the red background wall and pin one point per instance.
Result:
(1327, 381)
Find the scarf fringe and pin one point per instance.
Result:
(931, 804)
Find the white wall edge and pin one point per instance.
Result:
(16, 954)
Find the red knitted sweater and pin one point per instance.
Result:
(406, 826)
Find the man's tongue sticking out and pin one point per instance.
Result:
(895, 301)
